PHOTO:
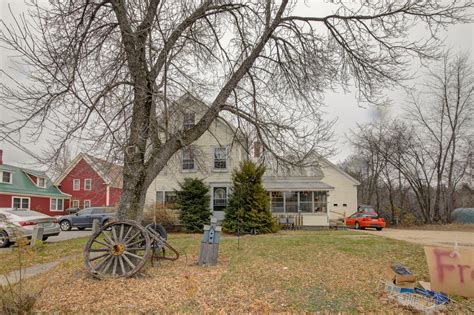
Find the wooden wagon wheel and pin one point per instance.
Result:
(119, 249)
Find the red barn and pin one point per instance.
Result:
(30, 189)
(91, 182)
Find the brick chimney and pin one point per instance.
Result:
(257, 149)
(1, 156)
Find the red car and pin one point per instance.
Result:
(362, 220)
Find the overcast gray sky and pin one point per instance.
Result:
(340, 105)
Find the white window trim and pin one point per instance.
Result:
(56, 209)
(214, 169)
(188, 170)
(90, 181)
(227, 186)
(74, 186)
(78, 203)
(87, 200)
(11, 177)
(38, 182)
(29, 201)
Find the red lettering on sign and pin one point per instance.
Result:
(461, 272)
(439, 265)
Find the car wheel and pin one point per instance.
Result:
(65, 225)
(45, 238)
(357, 226)
(4, 240)
(379, 229)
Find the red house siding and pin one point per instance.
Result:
(114, 196)
(40, 204)
(98, 193)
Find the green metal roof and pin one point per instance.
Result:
(22, 184)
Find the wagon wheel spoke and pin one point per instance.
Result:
(114, 233)
(114, 268)
(128, 261)
(135, 243)
(128, 233)
(102, 263)
(132, 255)
(121, 232)
(107, 238)
(102, 243)
(112, 258)
(100, 256)
(121, 265)
(99, 250)
(132, 238)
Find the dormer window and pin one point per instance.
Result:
(188, 120)
(6, 177)
(41, 182)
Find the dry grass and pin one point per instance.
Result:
(43, 253)
(286, 272)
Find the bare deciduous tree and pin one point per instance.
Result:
(104, 70)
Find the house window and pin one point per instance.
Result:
(87, 184)
(57, 204)
(188, 121)
(6, 177)
(320, 201)
(167, 198)
(76, 184)
(75, 203)
(21, 202)
(298, 201)
(41, 182)
(87, 203)
(188, 159)
(335, 205)
(220, 158)
(277, 201)
(306, 201)
(344, 204)
(170, 199)
(219, 199)
(291, 201)
(160, 197)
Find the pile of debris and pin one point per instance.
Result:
(401, 287)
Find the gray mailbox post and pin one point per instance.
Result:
(210, 244)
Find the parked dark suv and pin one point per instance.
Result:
(84, 218)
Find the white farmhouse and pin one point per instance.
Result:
(317, 194)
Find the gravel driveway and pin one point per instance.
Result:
(426, 237)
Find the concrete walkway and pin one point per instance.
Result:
(14, 276)
(429, 237)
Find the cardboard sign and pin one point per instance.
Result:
(451, 271)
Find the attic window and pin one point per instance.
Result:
(188, 121)
(41, 182)
(6, 177)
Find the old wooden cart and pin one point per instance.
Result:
(122, 248)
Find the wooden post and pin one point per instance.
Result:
(37, 235)
(95, 225)
(209, 250)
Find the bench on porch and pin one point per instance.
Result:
(289, 221)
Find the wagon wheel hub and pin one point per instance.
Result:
(118, 249)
